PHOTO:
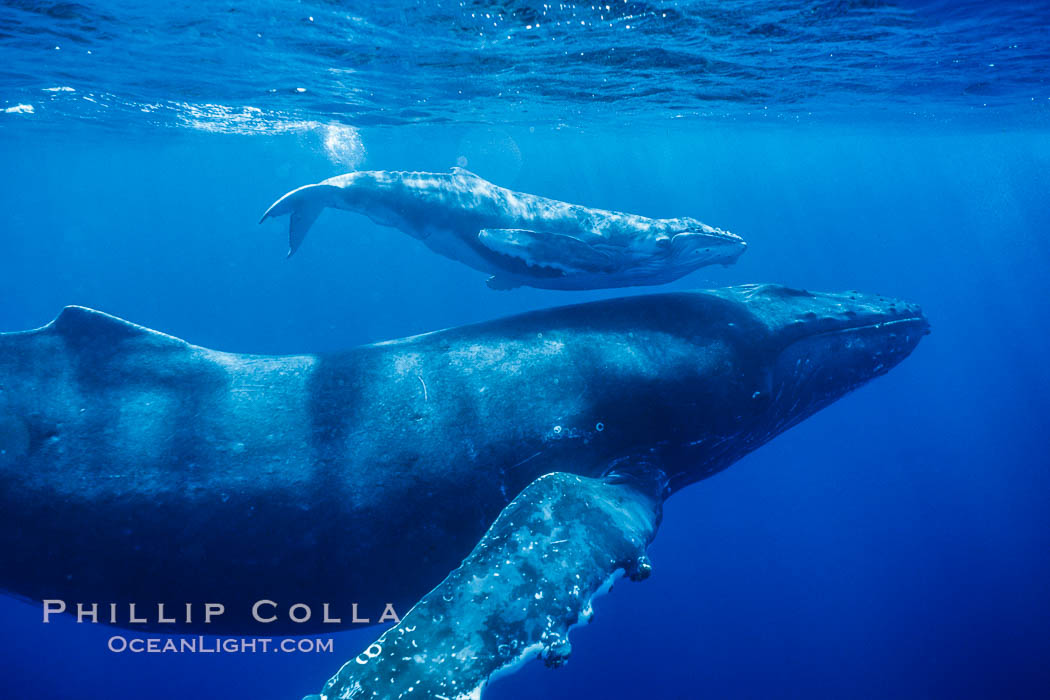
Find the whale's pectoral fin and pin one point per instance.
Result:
(564, 539)
(305, 205)
(551, 250)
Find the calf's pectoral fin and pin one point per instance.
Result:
(540, 249)
(564, 539)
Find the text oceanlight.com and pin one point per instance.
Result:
(227, 645)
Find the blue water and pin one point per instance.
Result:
(269, 64)
(895, 545)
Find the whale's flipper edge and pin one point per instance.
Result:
(562, 541)
(305, 205)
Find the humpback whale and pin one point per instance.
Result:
(528, 456)
(518, 238)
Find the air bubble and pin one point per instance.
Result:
(343, 145)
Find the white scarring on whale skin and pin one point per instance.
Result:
(519, 238)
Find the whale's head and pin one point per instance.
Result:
(823, 345)
(692, 244)
(752, 361)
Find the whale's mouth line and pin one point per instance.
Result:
(917, 322)
(918, 319)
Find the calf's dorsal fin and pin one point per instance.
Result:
(456, 170)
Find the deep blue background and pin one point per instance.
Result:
(895, 545)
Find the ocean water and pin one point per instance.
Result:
(897, 544)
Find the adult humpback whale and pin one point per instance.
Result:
(135, 467)
(519, 238)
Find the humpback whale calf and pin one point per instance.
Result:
(528, 456)
(518, 238)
